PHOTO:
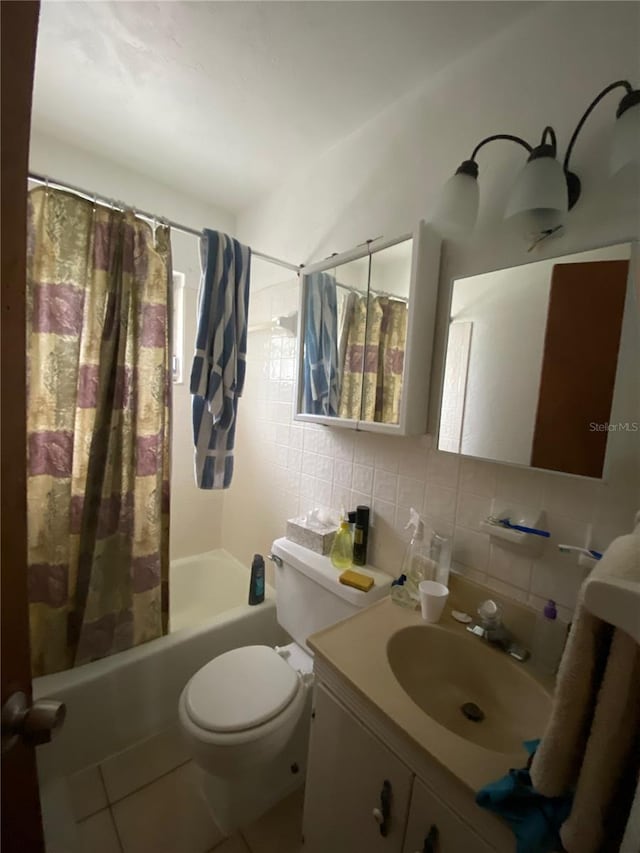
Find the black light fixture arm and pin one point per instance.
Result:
(549, 138)
(594, 103)
(470, 167)
(510, 137)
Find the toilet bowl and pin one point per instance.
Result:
(246, 715)
(241, 708)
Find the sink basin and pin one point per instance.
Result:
(476, 692)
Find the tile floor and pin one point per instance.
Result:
(146, 800)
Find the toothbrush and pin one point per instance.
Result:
(588, 552)
(505, 522)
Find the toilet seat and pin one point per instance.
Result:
(234, 750)
(240, 690)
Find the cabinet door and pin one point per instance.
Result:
(434, 828)
(366, 335)
(347, 771)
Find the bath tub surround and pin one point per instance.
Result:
(116, 702)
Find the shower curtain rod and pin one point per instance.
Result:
(143, 214)
(375, 292)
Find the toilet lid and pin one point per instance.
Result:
(240, 689)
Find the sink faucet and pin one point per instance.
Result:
(489, 627)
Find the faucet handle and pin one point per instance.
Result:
(490, 614)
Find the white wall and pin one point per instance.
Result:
(196, 516)
(380, 180)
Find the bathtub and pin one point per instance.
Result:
(115, 702)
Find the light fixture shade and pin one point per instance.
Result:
(539, 201)
(626, 139)
(457, 208)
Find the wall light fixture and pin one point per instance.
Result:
(546, 189)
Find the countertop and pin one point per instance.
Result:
(356, 649)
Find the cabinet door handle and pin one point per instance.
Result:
(384, 811)
(431, 840)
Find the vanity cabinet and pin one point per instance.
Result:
(433, 828)
(356, 788)
(356, 785)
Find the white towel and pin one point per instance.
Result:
(592, 736)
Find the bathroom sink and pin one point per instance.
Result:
(476, 692)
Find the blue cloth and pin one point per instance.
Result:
(321, 345)
(535, 820)
(219, 363)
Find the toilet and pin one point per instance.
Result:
(245, 715)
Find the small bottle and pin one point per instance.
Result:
(400, 595)
(256, 584)
(548, 641)
(360, 536)
(342, 549)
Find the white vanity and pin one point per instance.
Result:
(393, 764)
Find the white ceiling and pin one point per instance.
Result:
(223, 99)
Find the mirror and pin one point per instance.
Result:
(333, 332)
(354, 336)
(389, 284)
(539, 360)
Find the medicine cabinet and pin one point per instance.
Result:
(542, 364)
(366, 331)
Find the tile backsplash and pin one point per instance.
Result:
(285, 468)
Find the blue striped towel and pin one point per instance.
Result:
(321, 346)
(219, 363)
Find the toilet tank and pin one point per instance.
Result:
(309, 596)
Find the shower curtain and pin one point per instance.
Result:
(99, 386)
(371, 387)
(393, 341)
(351, 387)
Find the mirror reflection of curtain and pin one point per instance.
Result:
(372, 373)
(351, 386)
(393, 341)
(321, 346)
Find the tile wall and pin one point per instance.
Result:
(284, 468)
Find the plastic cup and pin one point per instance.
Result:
(433, 597)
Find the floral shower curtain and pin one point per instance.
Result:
(371, 387)
(99, 388)
(351, 386)
(393, 341)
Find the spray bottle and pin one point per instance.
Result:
(417, 565)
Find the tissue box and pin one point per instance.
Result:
(318, 538)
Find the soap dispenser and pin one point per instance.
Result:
(417, 565)
(341, 554)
